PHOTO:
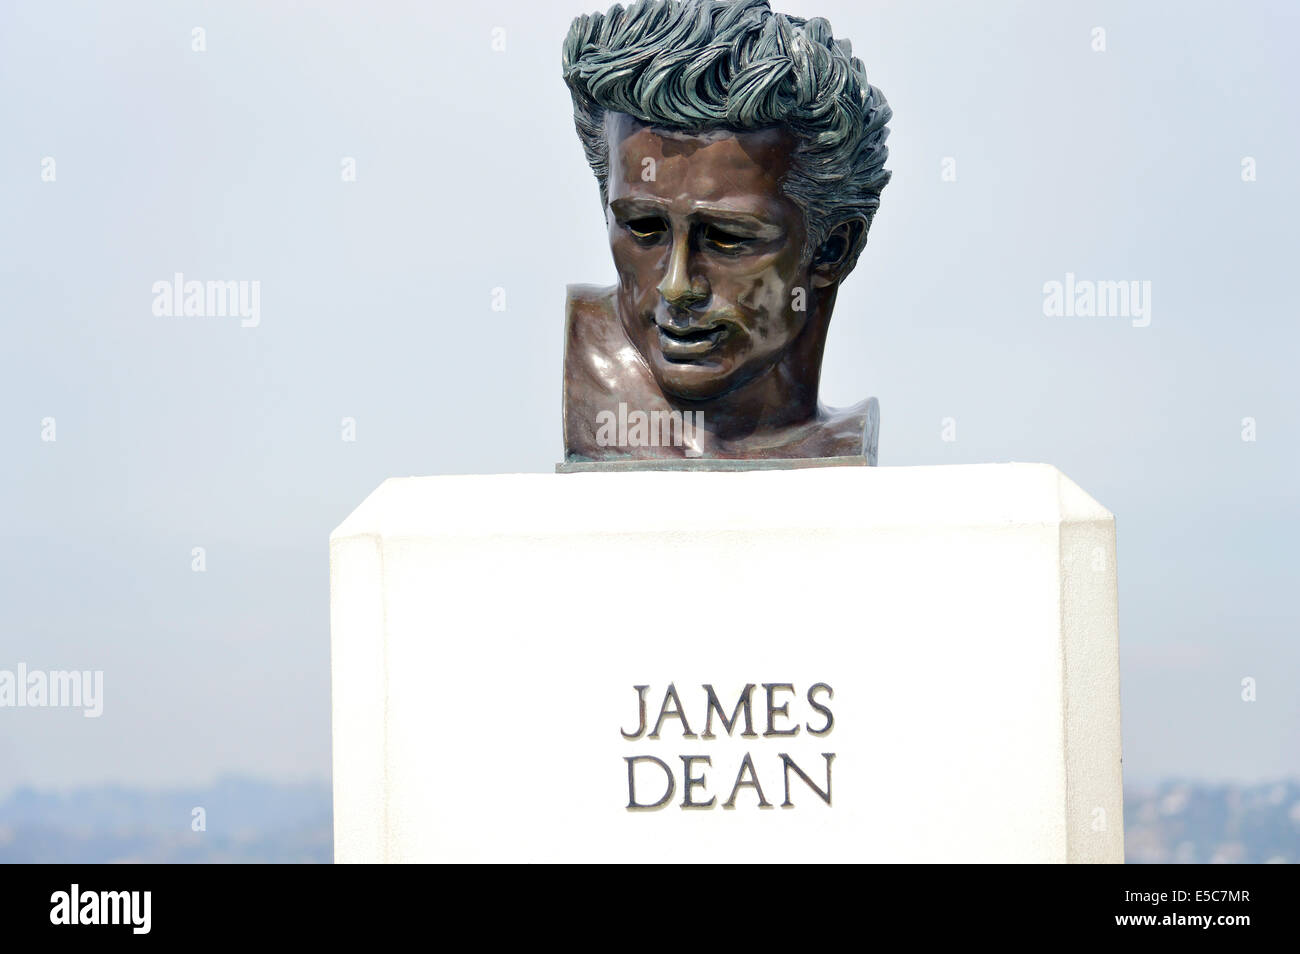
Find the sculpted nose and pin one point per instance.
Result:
(678, 287)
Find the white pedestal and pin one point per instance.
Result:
(487, 633)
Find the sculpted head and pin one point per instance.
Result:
(740, 157)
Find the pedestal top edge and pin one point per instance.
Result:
(1003, 494)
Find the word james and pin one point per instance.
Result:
(779, 723)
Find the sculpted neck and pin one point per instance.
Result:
(775, 414)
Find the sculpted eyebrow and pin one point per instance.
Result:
(750, 224)
(633, 207)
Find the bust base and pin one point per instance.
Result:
(709, 463)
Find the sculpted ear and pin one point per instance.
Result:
(831, 259)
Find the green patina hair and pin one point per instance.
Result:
(696, 65)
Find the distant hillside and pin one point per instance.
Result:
(247, 820)
(1190, 823)
(258, 821)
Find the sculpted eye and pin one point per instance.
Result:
(724, 240)
(648, 229)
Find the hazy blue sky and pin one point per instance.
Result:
(175, 433)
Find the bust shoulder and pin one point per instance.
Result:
(590, 328)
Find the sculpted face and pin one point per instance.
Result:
(712, 282)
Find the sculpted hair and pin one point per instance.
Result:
(734, 64)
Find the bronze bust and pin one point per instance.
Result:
(740, 157)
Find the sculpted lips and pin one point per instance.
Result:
(685, 342)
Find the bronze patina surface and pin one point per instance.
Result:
(740, 157)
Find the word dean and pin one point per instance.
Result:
(779, 723)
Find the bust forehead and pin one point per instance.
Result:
(714, 164)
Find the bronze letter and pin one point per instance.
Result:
(632, 804)
(689, 782)
(748, 763)
(773, 710)
(789, 764)
(675, 712)
(744, 702)
(640, 696)
(824, 710)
